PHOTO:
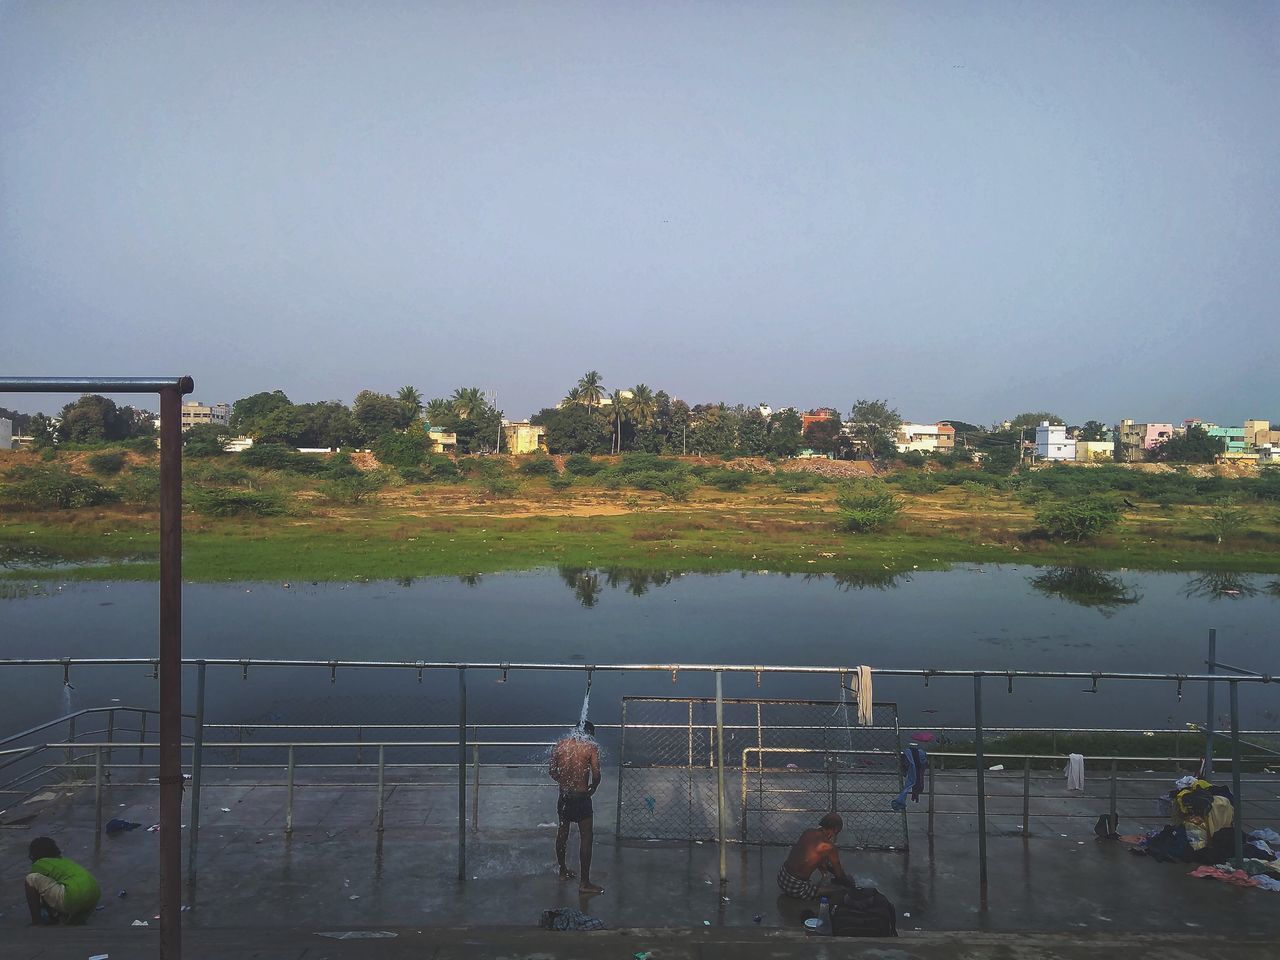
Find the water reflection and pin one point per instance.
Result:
(588, 583)
(1086, 587)
(15, 555)
(1215, 585)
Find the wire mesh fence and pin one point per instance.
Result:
(794, 759)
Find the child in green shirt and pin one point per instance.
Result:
(62, 887)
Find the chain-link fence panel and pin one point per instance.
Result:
(787, 762)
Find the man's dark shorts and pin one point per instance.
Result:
(574, 807)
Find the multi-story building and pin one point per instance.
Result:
(1093, 451)
(1052, 442)
(926, 437)
(440, 440)
(194, 413)
(816, 416)
(1133, 440)
(523, 437)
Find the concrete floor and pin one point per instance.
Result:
(337, 872)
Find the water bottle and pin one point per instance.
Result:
(824, 917)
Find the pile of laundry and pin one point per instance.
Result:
(1201, 829)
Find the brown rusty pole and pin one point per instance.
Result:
(170, 674)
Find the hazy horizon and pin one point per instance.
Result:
(971, 209)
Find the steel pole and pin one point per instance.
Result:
(1235, 771)
(1208, 723)
(462, 773)
(982, 782)
(170, 673)
(197, 758)
(724, 867)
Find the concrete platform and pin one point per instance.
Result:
(336, 872)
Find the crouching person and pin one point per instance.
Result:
(815, 851)
(60, 888)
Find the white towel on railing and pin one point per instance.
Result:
(1074, 771)
(866, 715)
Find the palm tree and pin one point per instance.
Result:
(411, 398)
(591, 388)
(438, 411)
(618, 404)
(572, 397)
(467, 401)
(642, 407)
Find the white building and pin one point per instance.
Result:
(1052, 442)
(6, 434)
(926, 437)
(194, 412)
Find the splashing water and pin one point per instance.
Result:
(66, 699)
(844, 706)
(586, 705)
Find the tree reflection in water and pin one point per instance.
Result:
(862, 579)
(587, 583)
(1086, 587)
(1217, 584)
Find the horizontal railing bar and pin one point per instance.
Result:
(95, 384)
(650, 668)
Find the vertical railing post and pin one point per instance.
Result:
(462, 773)
(1235, 772)
(982, 781)
(142, 750)
(1207, 766)
(622, 758)
(1026, 798)
(288, 802)
(382, 779)
(359, 745)
(197, 764)
(475, 785)
(97, 798)
(930, 831)
(111, 737)
(1111, 827)
(720, 806)
(170, 670)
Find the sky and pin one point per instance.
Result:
(971, 210)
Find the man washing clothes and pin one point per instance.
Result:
(575, 766)
(815, 850)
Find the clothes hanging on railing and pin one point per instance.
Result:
(866, 713)
(1074, 771)
(914, 764)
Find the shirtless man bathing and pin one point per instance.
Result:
(575, 766)
(815, 850)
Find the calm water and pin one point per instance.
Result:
(988, 617)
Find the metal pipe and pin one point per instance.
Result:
(69, 752)
(382, 779)
(475, 786)
(622, 752)
(1235, 772)
(171, 669)
(1026, 798)
(288, 803)
(416, 665)
(142, 739)
(97, 798)
(1111, 827)
(720, 811)
(930, 831)
(159, 385)
(462, 773)
(1209, 719)
(982, 782)
(197, 758)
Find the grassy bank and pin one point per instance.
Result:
(501, 518)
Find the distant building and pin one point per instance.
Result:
(926, 438)
(6, 434)
(1093, 451)
(523, 437)
(195, 413)
(1258, 433)
(816, 416)
(1134, 439)
(237, 445)
(1052, 442)
(440, 440)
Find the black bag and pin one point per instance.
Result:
(864, 912)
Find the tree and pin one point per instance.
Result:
(590, 388)
(1225, 519)
(438, 411)
(411, 398)
(574, 429)
(204, 440)
(874, 424)
(1193, 446)
(1024, 421)
(94, 418)
(822, 435)
(379, 413)
(784, 432)
(468, 402)
(1080, 519)
(642, 407)
(247, 411)
(867, 506)
(753, 434)
(573, 396)
(327, 423)
(1093, 431)
(617, 410)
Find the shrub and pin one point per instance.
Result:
(442, 469)
(539, 465)
(867, 506)
(676, 486)
(340, 467)
(500, 485)
(401, 450)
(107, 464)
(561, 481)
(276, 456)
(230, 502)
(354, 489)
(911, 481)
(1076, 520)
(912, 458)
(581, 465)
(53, 488)
(141, 485)
(1225, 519)
(728, 480)
(632, 463)
(48, 454)
(796, 482)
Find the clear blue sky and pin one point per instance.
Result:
(971, 209)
